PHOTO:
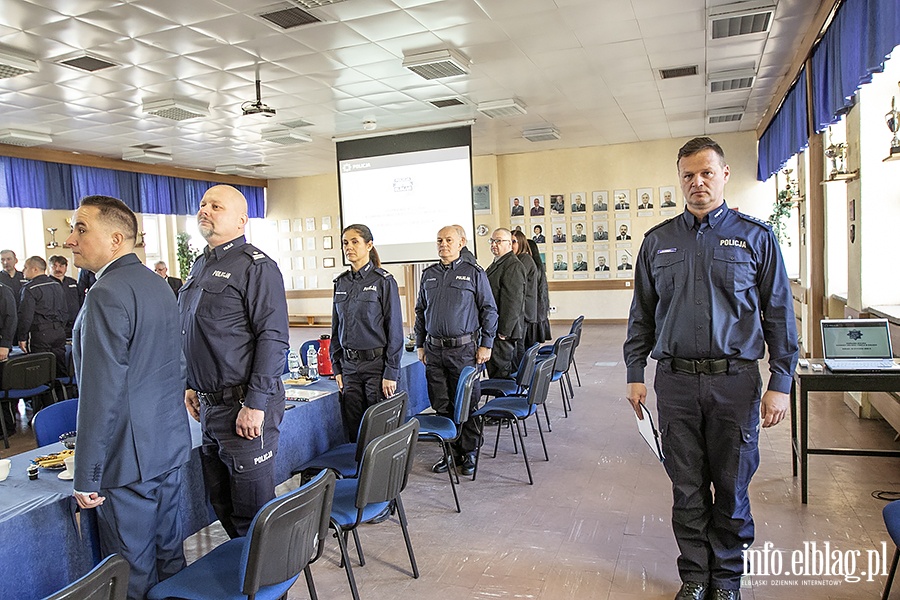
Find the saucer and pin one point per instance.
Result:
(66, 476)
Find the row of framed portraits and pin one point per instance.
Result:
(615, 263)
(647, 201)
(576, 232)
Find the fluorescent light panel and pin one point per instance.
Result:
(235, 170)
(500, 109)
(437, 64)
(142, 155)
(18, 137)
(177, 109)
(726, 81)
(541, 134)
(12, 65)
(740, 18)
(287, 137)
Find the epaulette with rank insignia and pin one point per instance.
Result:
(253, 252)
(753, 219)
(658, 225)
(383, 273)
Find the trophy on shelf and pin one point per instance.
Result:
(140, 240)
(838, 155)
(892, 119)
(52, 243)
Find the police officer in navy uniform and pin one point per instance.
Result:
(456, 321)
(366, 329)
(42, 314)
(235, 334)
(74, 298)
(9, 276)
(710, 294)
(9, 319)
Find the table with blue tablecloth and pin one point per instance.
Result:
(45, 544)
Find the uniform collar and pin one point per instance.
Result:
(712, 219)
(452, 265)
(221, 250)
(362, 272)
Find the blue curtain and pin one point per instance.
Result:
(861, 36)
(28, 183)
(787, 134)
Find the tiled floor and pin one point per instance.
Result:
(595, 525)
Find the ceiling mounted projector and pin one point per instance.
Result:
(257, 108)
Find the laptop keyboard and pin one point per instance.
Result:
(859, 364)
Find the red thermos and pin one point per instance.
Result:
(325, 355)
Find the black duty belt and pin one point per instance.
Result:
(450, 342)
(363, 354)
(229, 396)
(709, 366)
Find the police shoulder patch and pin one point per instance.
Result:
(658, 225)
(754, 220)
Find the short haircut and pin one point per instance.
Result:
(160, 262)
(114, 211)
(699, 144)
(8, 252)
(58, 259)
(36, 261)
(504, 230)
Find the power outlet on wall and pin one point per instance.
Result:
(552, 309)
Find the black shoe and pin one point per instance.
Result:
(440, 466)
(717, 594)
(468, 465)
(691, 590)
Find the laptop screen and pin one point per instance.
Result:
(856, 338)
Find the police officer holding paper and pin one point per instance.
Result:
(710, 293)
(366, 329)
(456, 321)
(235, 334)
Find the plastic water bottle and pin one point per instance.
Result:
(293, 359)
(312, 363)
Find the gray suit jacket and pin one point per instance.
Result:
(507, 278)
(132, 424)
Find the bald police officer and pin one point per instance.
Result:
(235, 334)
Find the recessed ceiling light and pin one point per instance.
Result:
(12, 65)
(19, 137)
(143, 155)
(177, 109)
(437, 64)
(740, 18)
(541, 134)
(285, 136)
(513, 107)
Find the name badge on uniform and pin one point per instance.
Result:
(667, 250)
(370, 288)
(222, 274)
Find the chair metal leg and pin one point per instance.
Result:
(541, 431)
(478, 449)
(512, 434)
(577, 376)
(562, 391)
(547, 416)
(451, 472)
(359, 551)
(3, 425)
(403, 525)
(891, 573)
(497, 439)
(524, 454)
(310, 584)
(345, 558)
(569, 382)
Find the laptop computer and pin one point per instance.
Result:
(857, 345)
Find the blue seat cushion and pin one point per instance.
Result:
(216, 576)
(437, 425)
(499, 387)
(26, 393)
(512, 406)
(891, 514)
(343, 509)
(556, 376)
(340, 459)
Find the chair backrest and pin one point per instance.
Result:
(563, 348)
(540, 382)
(379, 419)
(386, 464)
(54, 420)
(526, 366)
(287, 534)
(28, 371)
(463, 400)
(577, 326)
(107, 581)
(304, 348)
(891, 513)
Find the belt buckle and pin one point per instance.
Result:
(702, 366)
(352, 354)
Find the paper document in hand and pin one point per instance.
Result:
(648, 431)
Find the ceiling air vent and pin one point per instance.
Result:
(145, 155)
(177, 109)
(88, 62)
(675, 72)
(296, 123)
(285, 136)
(437, 64)
(499, 109)
(18, 137)
(740, 18)
(728, 114)
(12, 65)
(235, 170)
(309, 4)
(447, 102)
(541, 134)
(726, 81)
(288, 16)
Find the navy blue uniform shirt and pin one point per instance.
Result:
(41, 304)
(8, 317)
(365, 316)
(234, 322)
(712, 289)
(14, 282)
(74, 299)
(454, 300)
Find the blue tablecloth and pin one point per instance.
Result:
(45, 544)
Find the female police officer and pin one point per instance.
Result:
(366, 329)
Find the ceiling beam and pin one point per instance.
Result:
(91, 160)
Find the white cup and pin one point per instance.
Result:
(69, 461)
(5, 465)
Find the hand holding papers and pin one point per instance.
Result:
(648, 431)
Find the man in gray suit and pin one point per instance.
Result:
(133, 433)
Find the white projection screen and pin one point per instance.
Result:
(407, 186)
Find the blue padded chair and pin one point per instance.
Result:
(519, 408)
(445, 430)
(68, 379)
(383, 474)
(26, 376)
(892, 523)
(55, 420)
(107, 581)
(304, 348)
(577, 326)
(513, 386)
(286, 535)
(562, 350)
(378, 419)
